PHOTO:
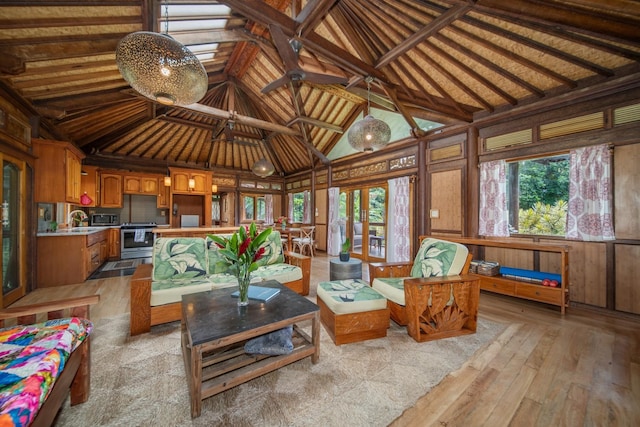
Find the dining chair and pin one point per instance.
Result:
(305, 240)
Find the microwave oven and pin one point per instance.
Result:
(104, 219)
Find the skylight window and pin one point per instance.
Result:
(190, 22)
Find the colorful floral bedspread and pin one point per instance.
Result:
(31, 358)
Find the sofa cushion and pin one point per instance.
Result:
(179, 258)
(391, 287)
(216, 262)
(273, 249)
(283, 273)
(170, 291)
(350, 296)
(439, 258)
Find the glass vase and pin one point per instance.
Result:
(243, 290)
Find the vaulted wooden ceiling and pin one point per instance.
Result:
(445, 61)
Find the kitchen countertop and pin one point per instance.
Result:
(75, 231)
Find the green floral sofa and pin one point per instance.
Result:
(185, 265)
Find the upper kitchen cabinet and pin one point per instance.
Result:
(141, 184)
(89, 186)
(164, 195)
(110, 190)
(58, 168)
(185, 181)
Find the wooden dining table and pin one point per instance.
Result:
(289, 233)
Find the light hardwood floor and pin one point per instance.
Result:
(543, 370)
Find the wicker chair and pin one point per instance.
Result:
(431, 296)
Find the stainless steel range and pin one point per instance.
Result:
(136, 240)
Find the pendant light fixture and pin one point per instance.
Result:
(161, 68)
(167, 178)
(369, 134)
(263, 168)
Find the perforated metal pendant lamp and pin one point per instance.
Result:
(369, 134)
(263, 168)
(161, 68)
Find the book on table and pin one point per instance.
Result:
(259, 293)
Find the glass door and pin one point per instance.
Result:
(13, 230)
(364, 210)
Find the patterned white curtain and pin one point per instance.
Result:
(334, 239)
(589, 216)
(307, 207)
(290, 208)
(268, 209)
(398, 242)
(494, 213)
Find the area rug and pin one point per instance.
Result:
(140, 381)
(125, 267)
(121, 265)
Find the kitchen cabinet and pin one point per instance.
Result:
(114, 243)
(164, 195)
(68, 257)
(57, 171)
(139, 184)
(110, 190)
(89, 185)
(180, 182)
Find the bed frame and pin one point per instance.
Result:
(75, 378)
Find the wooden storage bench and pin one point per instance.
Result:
(527, 255)
(352, 311)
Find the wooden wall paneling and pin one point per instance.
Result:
(588, 273)
(189, 205)
(627, 194)
(513, 258)
(446, 198)
(627, 273)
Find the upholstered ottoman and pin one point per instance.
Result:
(352, 311)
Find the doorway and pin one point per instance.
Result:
(364, 209)
(12, 234)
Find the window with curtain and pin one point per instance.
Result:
(589, 215)
(538, 194)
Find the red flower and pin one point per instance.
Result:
(244, 246)
(259, 254)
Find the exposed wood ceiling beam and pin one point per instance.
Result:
(570, 15)
(436, 25)
(415, 129)
(312, 14)
(229, 115)
(258, 11)
(316, 123)
(580, 62)
(214, 36)
(294, 88)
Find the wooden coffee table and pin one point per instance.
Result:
(215, 329)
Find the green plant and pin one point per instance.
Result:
(346, 245)
(544, 219)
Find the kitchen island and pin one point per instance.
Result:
(70, 255)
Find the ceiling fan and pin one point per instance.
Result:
(289, 51)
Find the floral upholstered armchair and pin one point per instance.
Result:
(433, 296)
